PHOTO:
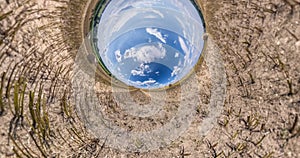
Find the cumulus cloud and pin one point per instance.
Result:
(145, 83)
(146, 54)
(140, 71)
(156, 33)
(175, 71)
(137, 73)
(118, 55)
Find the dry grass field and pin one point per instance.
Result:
(259, 41)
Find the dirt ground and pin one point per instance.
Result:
(259, 41)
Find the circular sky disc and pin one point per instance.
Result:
(148, 44)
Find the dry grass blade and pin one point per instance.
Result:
(2, 107)
(40, 128)
(40, 148)
(5, 15)
(16, 100)
(22, 150)
(18, 109)
(66, 108)
(8, 86)
(31, 108)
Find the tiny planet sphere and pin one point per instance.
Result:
(149, 44)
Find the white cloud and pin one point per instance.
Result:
(158, 13)
(176, 55)
(116, 22)
(185, 50)
(183, 45)
(146, 54)
(151, 81)
(175, 71)
(137, 73)
(118, 55)
(141, 70)
(156, 33)
(145, 83)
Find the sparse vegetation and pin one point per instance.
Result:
(2, 104)
(38, 43)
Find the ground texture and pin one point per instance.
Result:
(259, 41)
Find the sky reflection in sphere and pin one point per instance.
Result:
(149, 43)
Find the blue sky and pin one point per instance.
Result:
(163, 35)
